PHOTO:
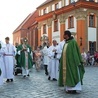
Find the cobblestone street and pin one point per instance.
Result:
(38, 86)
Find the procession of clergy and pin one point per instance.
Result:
(62, 62)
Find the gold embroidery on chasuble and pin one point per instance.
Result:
(26, 56)
(64, 64)
(26, 59)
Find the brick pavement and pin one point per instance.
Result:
(37, 86)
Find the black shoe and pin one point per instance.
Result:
(54, 79)
(71, 92)
(24, 76)
(7, 80)
(11, 80)
(15, 73)
(74, 92)
(46, 73)
(68, 92)
(49, 78)
(28, 75)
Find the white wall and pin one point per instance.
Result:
(56, 36)
(66, 2)
(96, 0)
(53, 7)
(75, 0)
(91, 34)
(47, 10)
(60, 4)
(42, 12)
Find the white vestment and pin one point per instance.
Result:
(1, 77)
(10, 51)
(54, 62)
(45, 54)
(61, 45)
(2, 63)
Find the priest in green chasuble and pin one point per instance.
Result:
(71, 65)
(25, 59)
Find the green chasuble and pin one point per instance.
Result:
(71, 67)
(22, 57)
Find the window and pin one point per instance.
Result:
(92, 47)
(56, 25)
(56, 6)
(91, 20)
(44, 11)
(71, 1)
(44, 29)
(71, 22)
(91, 0)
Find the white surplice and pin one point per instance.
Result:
(61, 45)
(53, 62)
(45, 54)
(2, 63)
(10, 51)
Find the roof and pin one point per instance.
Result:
(46, 2)
(20, 26)
(31, 17)
(34, 23)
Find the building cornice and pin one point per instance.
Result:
(67, 9)
(47, 4)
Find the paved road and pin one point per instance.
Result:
(37, 86)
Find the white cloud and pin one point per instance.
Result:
(13, 12)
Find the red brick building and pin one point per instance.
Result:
(28, 28)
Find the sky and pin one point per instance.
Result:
(12, 13)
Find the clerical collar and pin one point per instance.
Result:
(55, 45)
(70, 38)
(7, 43)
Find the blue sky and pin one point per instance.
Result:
(13, 12)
